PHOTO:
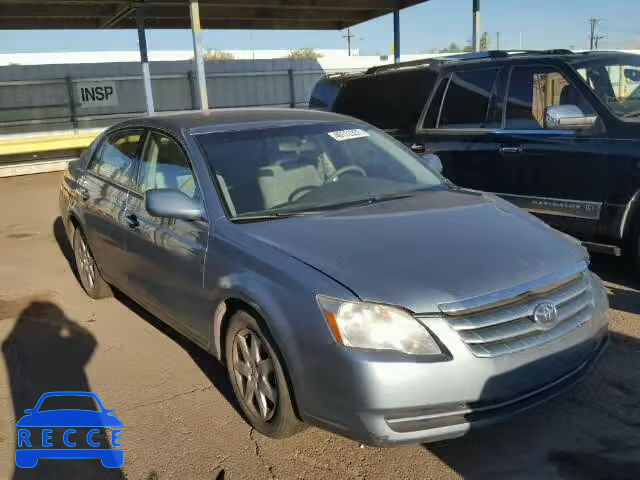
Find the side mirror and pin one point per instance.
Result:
(567, 117)
(172, 203)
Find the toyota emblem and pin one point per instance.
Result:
(545, 315)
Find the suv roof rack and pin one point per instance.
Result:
(393, 66)
(466, 56)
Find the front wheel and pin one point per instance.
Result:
(258, 379)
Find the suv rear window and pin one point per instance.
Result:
(467, 98)
(390, 100)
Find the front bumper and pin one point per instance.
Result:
(383, 400)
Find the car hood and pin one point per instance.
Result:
(432, 248)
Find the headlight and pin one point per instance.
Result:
(378, 327)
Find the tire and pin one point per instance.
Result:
(88, 272)
(260, 386)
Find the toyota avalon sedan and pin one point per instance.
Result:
(342, 282)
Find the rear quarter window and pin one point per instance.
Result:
(391, 100)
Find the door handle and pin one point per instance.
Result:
(417, 148)
(511, 149)
(84, 194)
(132, 220)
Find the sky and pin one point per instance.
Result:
(433, 25)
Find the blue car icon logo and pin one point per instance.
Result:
(80, 430)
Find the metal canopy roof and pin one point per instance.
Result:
(214, 14)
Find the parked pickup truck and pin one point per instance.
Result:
(555, 132)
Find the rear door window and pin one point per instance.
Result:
(467, 99)
(117, 157)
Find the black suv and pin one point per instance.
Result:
(555, 132)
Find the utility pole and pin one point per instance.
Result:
(348, 36)
(594, 36)
(497, 40)
(475, 38)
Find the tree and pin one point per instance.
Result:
(218, 55)
(453, 48)
(304, 53)
(485, 41)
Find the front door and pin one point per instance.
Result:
(561, 175)
(166, 256)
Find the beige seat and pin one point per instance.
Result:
(278, 181)
(226, 195)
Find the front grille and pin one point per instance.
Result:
(501, 328)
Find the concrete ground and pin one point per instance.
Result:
(174, 400)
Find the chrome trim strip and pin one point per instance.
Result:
(459, 307)
(555, 206)
(486, 319)
(603, 248)
(520, 344)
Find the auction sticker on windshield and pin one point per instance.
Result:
(350, 134)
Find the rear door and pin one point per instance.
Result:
(461, 126)
(561, 174)
(104, 189)
(166, 255)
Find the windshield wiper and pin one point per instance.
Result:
(270, 216)
(631, 114)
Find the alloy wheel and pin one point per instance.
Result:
(86, 264)
(254, 374)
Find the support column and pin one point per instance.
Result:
(196, 31)
(142, 45)
(475, 42)
(396, 36)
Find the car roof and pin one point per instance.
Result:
(234, 119)
(480, 58)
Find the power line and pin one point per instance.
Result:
(349, 36)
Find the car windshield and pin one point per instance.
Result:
(616, 82)
(302, 169)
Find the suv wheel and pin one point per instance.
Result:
(90, 276)
(258, 379)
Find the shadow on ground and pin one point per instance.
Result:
(47, 352)
(624, 282)
(213, 369)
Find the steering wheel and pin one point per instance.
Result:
(343, 170)
(300, 192)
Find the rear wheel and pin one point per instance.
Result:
(258, 379)
(90, 276)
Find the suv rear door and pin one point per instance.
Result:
(461, 126)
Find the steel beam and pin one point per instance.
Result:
(476, 26)
(396, 36)
(144, 59)
(196, 32)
